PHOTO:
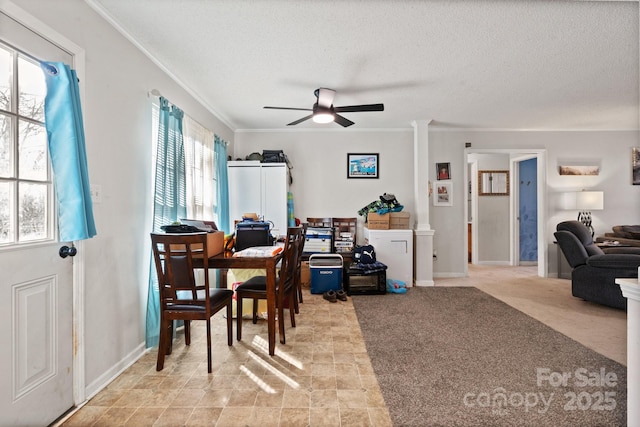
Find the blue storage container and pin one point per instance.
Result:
(326, 272)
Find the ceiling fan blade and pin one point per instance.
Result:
(342, 121)
(288, 108)
(300, 120)
(325, 97)
(356, 108)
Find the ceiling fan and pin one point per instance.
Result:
(323, 110)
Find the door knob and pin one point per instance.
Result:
(66, 251)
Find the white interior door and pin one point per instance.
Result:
(36, 288)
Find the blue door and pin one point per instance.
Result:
(528, 210)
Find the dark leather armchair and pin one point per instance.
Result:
(594, 272)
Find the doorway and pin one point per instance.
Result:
(515, 156)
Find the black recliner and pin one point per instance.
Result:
(593, 271)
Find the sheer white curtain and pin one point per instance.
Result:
(199, 167)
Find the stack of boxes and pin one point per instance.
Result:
(388, 221)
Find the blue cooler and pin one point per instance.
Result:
(326, 272)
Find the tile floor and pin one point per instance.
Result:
(323, 375)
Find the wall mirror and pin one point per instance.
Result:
(493, 183)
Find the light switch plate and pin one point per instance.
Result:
(96, 193)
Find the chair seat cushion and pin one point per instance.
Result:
(256, 283)
(216, 296)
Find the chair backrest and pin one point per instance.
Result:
(304, 227)
(576, 243)
(582, 233)
(174, 256)
(293, 240)
(319, 222)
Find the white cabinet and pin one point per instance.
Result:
(261, 188)
(394, 248)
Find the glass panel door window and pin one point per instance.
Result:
(26, 188)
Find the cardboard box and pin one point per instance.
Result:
(399, 220)
(377, 222)
(305, 274)
(215, 243)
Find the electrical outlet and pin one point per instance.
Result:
(96, 193)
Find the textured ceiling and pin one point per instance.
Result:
(542, 65)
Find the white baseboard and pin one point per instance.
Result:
(103, 380)
(447, 275)
(424, 283)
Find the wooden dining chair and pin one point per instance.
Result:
(182, 297)
(256, 287)
(298, 286)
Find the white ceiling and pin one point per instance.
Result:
(535, 65)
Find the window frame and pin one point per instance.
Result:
(15, 119)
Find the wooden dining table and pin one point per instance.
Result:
(226, 260)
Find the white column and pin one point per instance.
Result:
(423, 232)
(631, 291)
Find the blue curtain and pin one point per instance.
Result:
(170, 198)
(220, 167)
(65, 133)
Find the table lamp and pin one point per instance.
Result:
(585, 202)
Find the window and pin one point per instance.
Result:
(198, 148)
(26, 188)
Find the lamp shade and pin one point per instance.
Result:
(583, 200)
(589, 200)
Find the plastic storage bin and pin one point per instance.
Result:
(326, 272)
(318, 240)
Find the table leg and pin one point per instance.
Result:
(271, 305)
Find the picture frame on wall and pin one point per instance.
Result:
(363, 165)
(443, 194)
(635, 165)
(443, 171)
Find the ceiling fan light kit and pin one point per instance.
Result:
(323, 117)
(323, 110)
(323, 114)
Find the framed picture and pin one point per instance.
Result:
(443, 194)
(579, 170)
(363, 165)
(443, 170)
(635, 164)
(493, 183)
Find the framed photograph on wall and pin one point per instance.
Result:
(443, 194)
(363, 165)
(635, 164)
(444, 170)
